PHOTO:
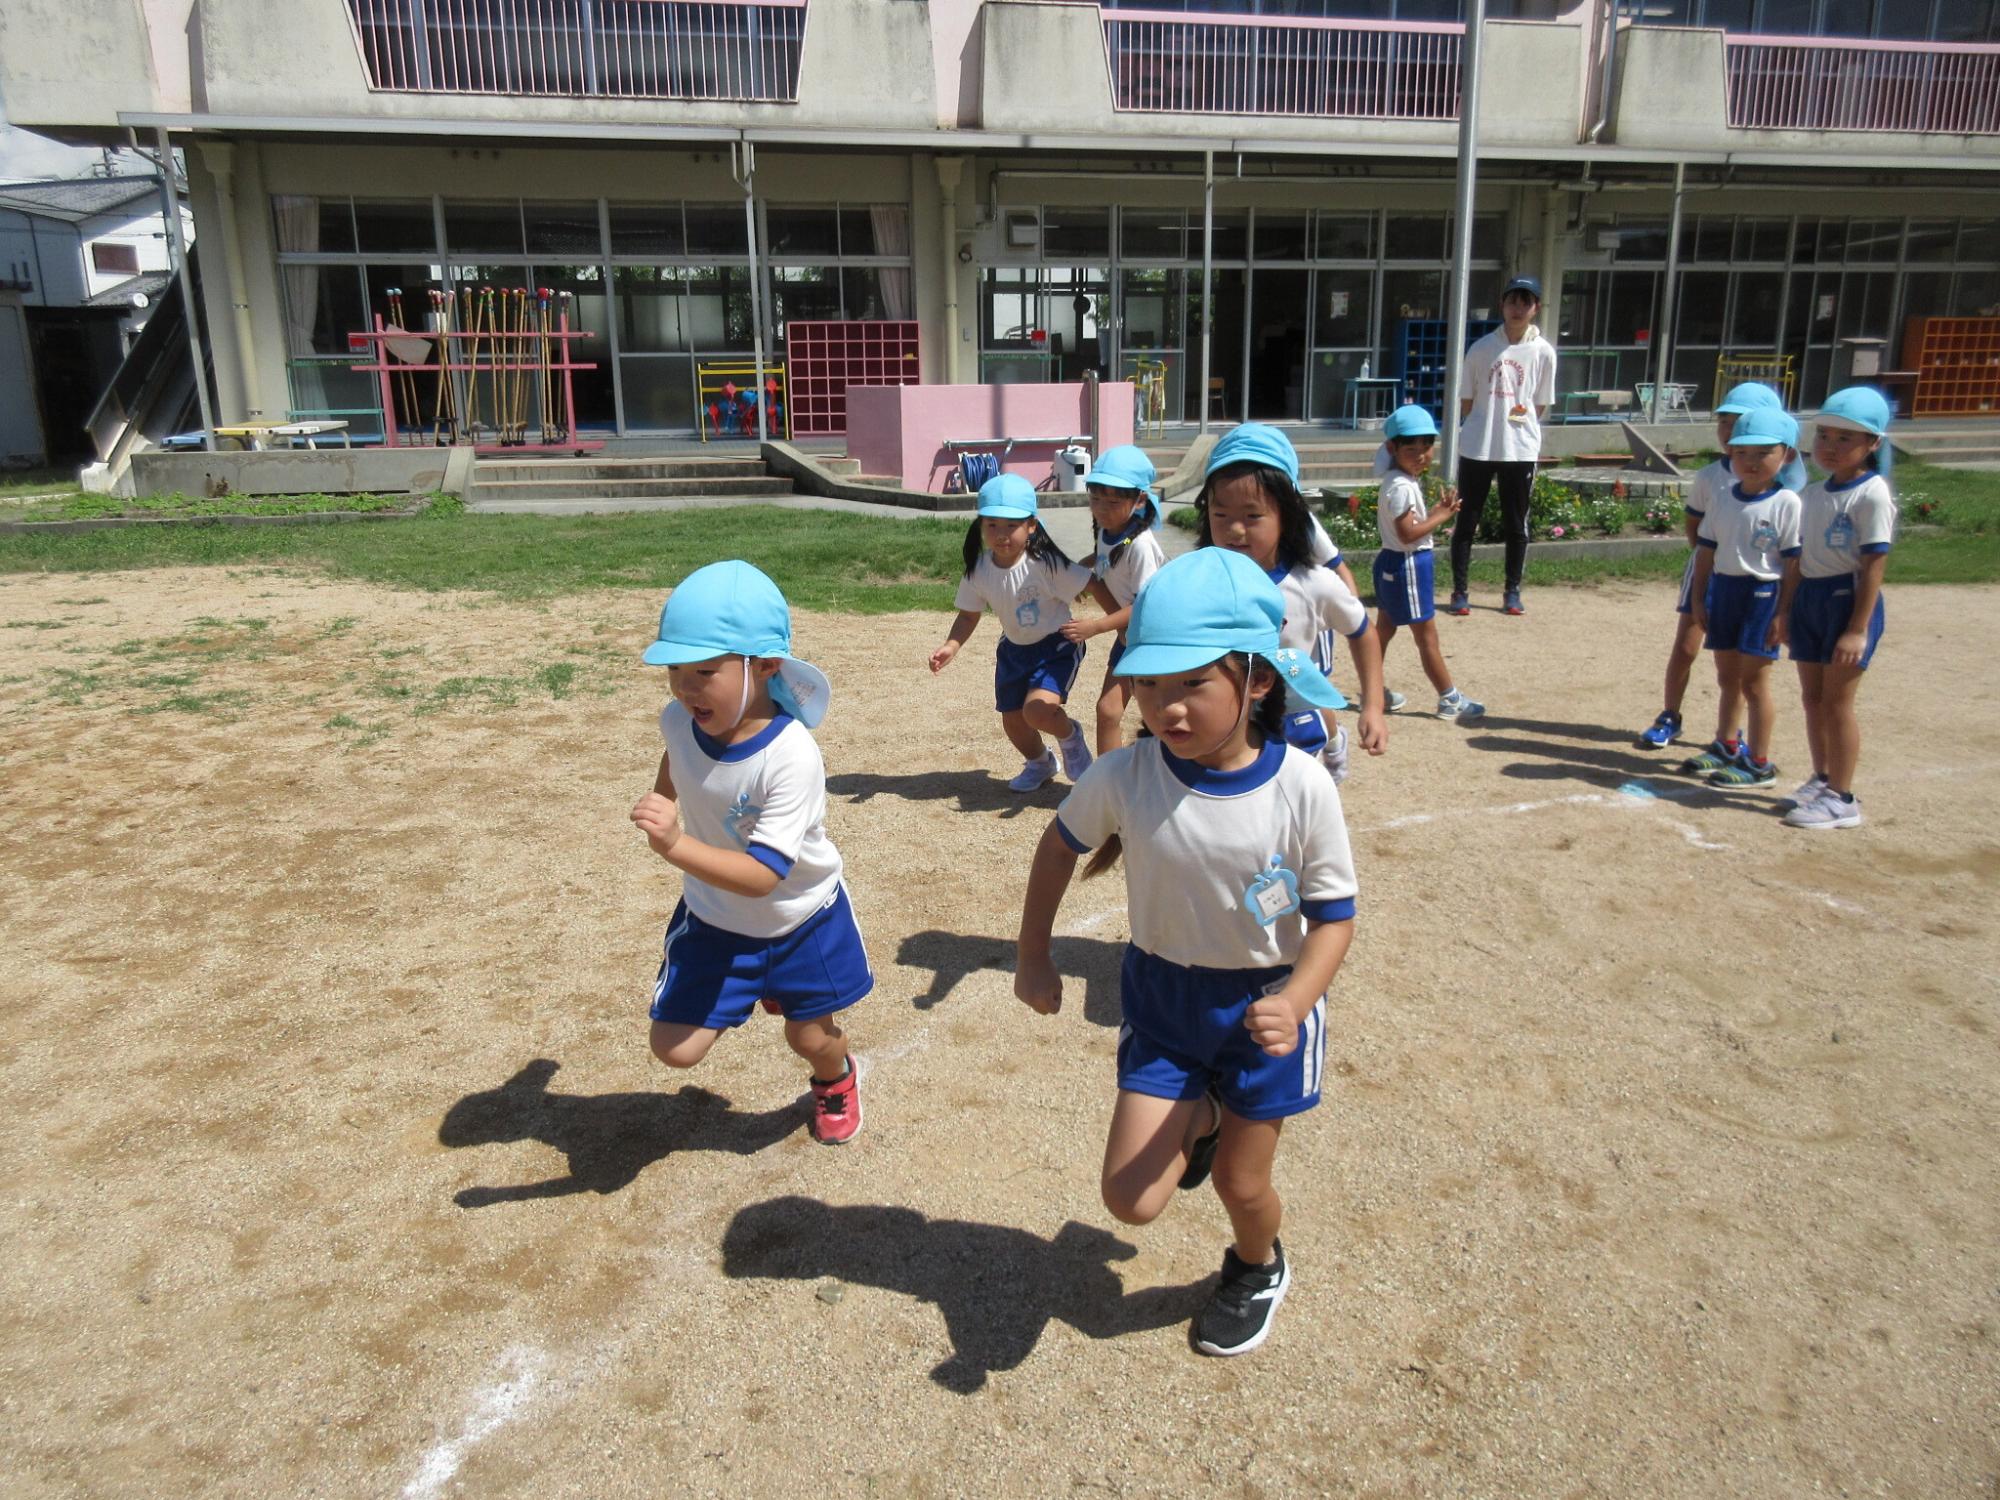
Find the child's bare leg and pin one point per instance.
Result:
(1385, 632)
(1840, 726)
(1146, 1152)
(1111, 714)
(1431, 654)
(1044, 714)
(1680, 661)
(821, 1043)
(1812, 686)
(1243, 1182)
(1021, 734)
(1763, 708)
(680, 1045)
(1729, 687)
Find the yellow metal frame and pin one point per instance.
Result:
(710, 379)
(1149, 388)
(1774, 370)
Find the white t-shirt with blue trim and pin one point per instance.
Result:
(1711, 485)
(766, 797)
(1031, 599)
(1316, 601)
(1127, 565)
(1752, 533)
(1838, 523)
(1401, 494)
(1199, 846)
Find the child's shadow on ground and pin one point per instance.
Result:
(952, 956)
(1549, 729)
(609, 1138)
(998, 1288)
(973, 791)
(1629, 770)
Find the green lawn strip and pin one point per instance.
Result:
(18, 482)
(80, 506)
(824, 560)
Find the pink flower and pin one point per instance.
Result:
(1555, 531)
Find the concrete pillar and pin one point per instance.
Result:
(950, 171)
(219, 157)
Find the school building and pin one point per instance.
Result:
(1033, 188)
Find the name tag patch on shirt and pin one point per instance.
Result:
(1273, 894)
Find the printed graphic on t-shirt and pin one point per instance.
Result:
(1028, 614)
(1840, 533)
(1273, 894)
(741, 819)
(1509, 379)
(1763, 537)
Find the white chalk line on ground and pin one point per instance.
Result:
(493, 1407)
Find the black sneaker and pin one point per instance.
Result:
(1201, 1155)
(1238, 1317)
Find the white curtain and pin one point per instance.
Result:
(298, 231)
(892, 237)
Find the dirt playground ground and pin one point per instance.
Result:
(1661, 1157)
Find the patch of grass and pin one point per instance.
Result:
(557, 679)
(34, 625)
(343, 721)
(79, 506)
(167, 679)
(15, 482)
(72, 687)
(197, 703)
(79, 603)
(340, 625)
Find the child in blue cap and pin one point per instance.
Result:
(739, 808)
(1704, 493)
(1847, 523)
(1405, 576)
(1014, 568)
(1739, 599)
(1241, 893)
(1124, 512)
(1250, 503)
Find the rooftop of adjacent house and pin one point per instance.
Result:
(149, 284)
(76, 199)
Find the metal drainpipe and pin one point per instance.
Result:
(1611, 9)
(1663, 336)
(1207, 278)
(949, 170)
(748, 178)
(1461, 270)
(177, 247)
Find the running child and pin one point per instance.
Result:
(1707, 490)
(1250, 503)
(1241, 890)
(1014, 568)
(739, 808)
(1846, 524)
(1739, 602)
(1124, 512)
(1405, 568)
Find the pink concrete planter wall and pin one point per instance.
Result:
(903, 429)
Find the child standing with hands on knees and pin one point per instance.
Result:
(1241, 890)
(1739, 601)
(1405, 577)
(739, 808)
(1014, 568)
(1250, 503)
(1125, 512)
(1847, 523)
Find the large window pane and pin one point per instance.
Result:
(1009, 307)
(1979, 240)
(718, 307)
(1864, 304)
(1580, 317)
(1763, 239)
(1155, 236)
(1232, 236)
(807, 294)
(1628, 312)
(1703, 296)
(659, 394)
(563, 229)
(861, 296)
(1414, 237)
(581, 295)
(1932, 240)
(1976, 294)
(802, 231)
(1874, 240)
(1153, 305)
(1753, 320)
(483, 228)
(1082, 232)
(1708, 239)
(652, 317)
(396, 228)
(1347, 237)
(1927, 294)
(1341, 308)
(323, 305)
(1410, 294)
(1641, 239)
(716, 229)
(322, 224)
(1824, 244)
(1280, 236)
(1967, 21)
(647, 229)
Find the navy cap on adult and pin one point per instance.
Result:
(1526, 284)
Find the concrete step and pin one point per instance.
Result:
(502, 471)
(576, 487)
(586, 505)
(1958, 453)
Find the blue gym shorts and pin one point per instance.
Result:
(1685, 606)
(1184, 1033)
(1050, 664)
(1404, 585)
(1821, 608)
(1740, 611)
(1307, 730)
(712, 977)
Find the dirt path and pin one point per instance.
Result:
(1661, 1157)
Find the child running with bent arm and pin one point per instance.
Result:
(739, 808)
(1250, 503)
(1014, 568)
(1404, 568)
(1704, 494)
(1848, 521)
(1241, 891)
(1124, 512)
(1739, 601)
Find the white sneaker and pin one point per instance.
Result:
(1826, 811)
(1455, 705)
(1037, 772)
(1334, 756)
(1392, 701)
(1807, 792)
(1075, 754)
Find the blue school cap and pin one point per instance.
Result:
(1204, 605)
(1747, 397)
(1765, 426)
(1859, 408)
(1125, 468)
(732, 609)
(1410, 421)
(1007, 496)
(1255, 443)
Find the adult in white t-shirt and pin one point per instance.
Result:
(1504, 390)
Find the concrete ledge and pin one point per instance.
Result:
(321, 471)
(811, 477)
(119, 523)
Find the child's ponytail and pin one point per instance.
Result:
(974, 545)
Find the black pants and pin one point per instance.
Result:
(1475, 478)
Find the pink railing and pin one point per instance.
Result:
(590, 49)
(1819, 83)
(1163, 61)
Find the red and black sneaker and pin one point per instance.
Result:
(837, 1108)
